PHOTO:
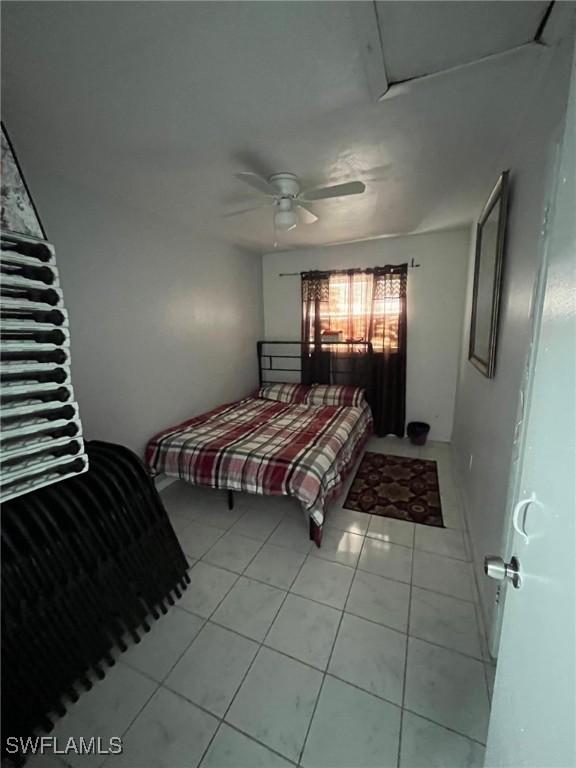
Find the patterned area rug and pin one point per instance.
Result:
(397, 486)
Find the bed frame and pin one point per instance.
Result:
(291, 354)
(284, 358)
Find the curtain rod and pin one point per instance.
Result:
(412, 265)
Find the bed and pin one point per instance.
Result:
(286, 439)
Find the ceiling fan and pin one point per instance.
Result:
(290, 203)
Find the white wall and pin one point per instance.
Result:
(435, 309)
(164, 324)
(486, 409)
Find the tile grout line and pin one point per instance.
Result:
(325, 672)
(400, 729)
(228, 724)
(136, 716)
(227, 530)
(316, 669)
(262, 543)
(406, 655)
(157, 684)
(204, 620)
(349, 612)
(231, 587)
(161, 683)
(354, 567)
(199, 557)
(262, 643)
(330, 674)
(445, 727)
(165, 677)
(221, 722)
(260, 646)
(338, 562)
(248, 736)
(308, 664)
(300, 661)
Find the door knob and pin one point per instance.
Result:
(496, 568)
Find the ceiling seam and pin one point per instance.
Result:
(543, 22)
(379, 30)
(465, 65)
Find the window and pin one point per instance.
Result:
(360, 306)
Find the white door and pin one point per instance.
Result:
(533, 719)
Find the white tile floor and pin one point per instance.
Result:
(367, 652)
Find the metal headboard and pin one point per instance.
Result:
(290, 354)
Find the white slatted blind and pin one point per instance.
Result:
(40, 431)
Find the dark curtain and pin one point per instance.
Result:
(388, 332)
(375, 303)
(316, 363)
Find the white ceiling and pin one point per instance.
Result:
(439, 35)
(161, 103)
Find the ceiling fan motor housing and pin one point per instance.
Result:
(290, 204)
(286, 184)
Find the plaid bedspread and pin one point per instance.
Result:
(265, 447)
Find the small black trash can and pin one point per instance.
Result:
(418, 432)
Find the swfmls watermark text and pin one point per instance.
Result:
(83, 745)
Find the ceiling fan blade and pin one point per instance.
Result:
(245, 210)
(339, 190)
(257, 182)
(307, 215)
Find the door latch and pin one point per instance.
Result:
(496, 568)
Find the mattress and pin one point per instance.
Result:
(266, 447)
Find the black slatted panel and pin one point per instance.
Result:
(85, 564)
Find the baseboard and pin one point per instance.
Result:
(163, 481)
(482, 615)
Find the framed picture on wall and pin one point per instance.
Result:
(18, 213)
(489, 256)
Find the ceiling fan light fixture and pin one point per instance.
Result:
(290, 201)
(285, 220)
